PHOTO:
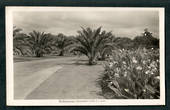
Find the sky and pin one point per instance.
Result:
(122, 23)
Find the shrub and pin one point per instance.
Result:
(131, 75)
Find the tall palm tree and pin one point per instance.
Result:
(62, 42)
(40, 43)
(89, 42)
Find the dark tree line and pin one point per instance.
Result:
(146, 40)
(96, 44)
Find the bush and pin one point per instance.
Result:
(131, 75)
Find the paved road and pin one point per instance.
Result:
(59, 78)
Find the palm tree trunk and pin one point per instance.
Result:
(92, 61)
(38, 54)
(61, 53)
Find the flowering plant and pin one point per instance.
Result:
(132, 74)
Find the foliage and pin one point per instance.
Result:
(95, 44)
(123, 43)
(62, 42)
(40, 43)
(106, 50)
(19, 41)
(89, 42)
(132, 75)
(16, 30)
(146, 40)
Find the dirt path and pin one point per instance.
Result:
(72, 81)
(29, 75)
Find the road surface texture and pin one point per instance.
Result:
(56, 78)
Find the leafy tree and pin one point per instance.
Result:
(146, 40)
(40, 43)
(123, 42)
(89, 42)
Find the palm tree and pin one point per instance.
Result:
(40, 43)
(19, 41)
(16, 30)
(89, 42)
(62, 42)
(106, 50)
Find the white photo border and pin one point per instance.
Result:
(79, 102)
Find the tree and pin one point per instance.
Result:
(146, 40)
(147, 33)
(106, 50)
(40, 43)
(19, 41)
(89, 42)
(123, 42)
(62, 42)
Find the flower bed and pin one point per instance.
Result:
(131, 74)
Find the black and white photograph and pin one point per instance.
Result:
(85, 56)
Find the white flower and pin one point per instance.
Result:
(110, 64)
(147, 72)
(127, 90)
(125, 74)
(134, 60)
(154, 69)
(124, 62)
(139, 68)
(158, 77)
(116, 75)
(153, 64)
(144, 62)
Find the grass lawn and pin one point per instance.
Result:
(56, 78)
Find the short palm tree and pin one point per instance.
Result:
(62, 42)
(90, 42)
(104, 52)
(40, 43)
(19, 41)
(106, 49)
